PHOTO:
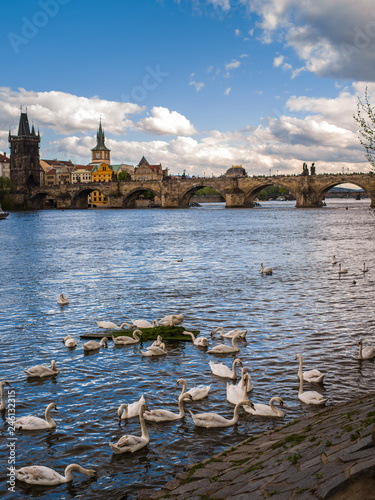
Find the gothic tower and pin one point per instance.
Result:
(100, 153)
(25, 171)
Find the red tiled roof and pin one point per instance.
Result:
(4, 158)
(68, 163)
(51, 172)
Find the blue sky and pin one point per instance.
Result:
(197, 85)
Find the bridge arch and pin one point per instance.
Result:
(323, 192)
(38, 201)
(253, 192)
(80, 197)
(129, 200)
(189, 193)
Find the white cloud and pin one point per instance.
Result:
(198, 85)
(334, 38)
(165, 122)
(278, 61)
(244, 55)
(223, 4)
(237, 32)
(66, 113)
(227, 91)
(234, 64)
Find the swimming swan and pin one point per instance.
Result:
(142, 323)
(334, 261)
(109, 325)
(237, 393)
(129, 443)
(364, 269)
(314, 376)
(199, 341)
(2, 403)
(42, 370)
(196, 393)
(129, 411)
(225, 349)
(157, 342)
(93, 345)
(342, 271)
(265, 270)
(249, 383)
(231, 334)
(155, 350)
(44, 476)
(166, 415)
(367, 352)
(124, 340)
(308, 397)
(214, 420)
(262, 410)
(69, 341)
(62, 300)
(221, 370)
(172, 320)
(31, 423)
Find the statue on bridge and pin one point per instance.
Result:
(312, 169)
(305, 170)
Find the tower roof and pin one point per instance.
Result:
(100, 138)
(143, 162)
(23, 127)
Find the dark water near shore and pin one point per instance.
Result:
(122, 265)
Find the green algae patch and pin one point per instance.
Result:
(168, 333)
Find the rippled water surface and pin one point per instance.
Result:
(122, 265)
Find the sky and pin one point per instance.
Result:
(196, 85)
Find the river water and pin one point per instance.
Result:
(119, 265)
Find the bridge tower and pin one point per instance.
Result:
(25, 170)
(100, 153)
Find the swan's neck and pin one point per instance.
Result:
(143, 425)
(2, 403)
(184, 387)
(181, 406)
(48, 418)
(359, 355)
(155, 323)
(236, 413)
(300, 379)
(136, 336)
(124, 411)
(234, 368)
(69, 470)
(272, 405)
(53, 366)
(219, 328)
(234, 343)
(191, 335)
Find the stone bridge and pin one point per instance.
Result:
(308, 190)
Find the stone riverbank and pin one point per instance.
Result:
(328, 455)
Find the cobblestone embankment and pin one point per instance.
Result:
(328, 455)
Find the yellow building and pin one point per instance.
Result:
(100, 173)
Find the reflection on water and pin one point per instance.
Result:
(123, 265)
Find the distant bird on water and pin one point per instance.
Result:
(266, 270)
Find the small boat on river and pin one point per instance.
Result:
(3, 215)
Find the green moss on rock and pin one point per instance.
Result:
(168, 333)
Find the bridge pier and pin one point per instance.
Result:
(235, 199)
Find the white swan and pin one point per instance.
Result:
(166, 415)
(31, 423)
(155, 350)
(262, 410)
(109, 325)
(314, 376)
(308, 397)
(334, 261)
(265, 270)
(44, 476)
(129, 411)
(366, 353)
(231, 333)
(2, 403)
(157, 342)
(365, 269)
(342, 271)
(129, 443)
(172, 320)
(69, 341)
(214, 420)
(222, 370)
(124, 340)
(225, 349)
(241, 383)
(42, 370)
(196, 393)
(62, 300)
(93, 345)
(142, 323)
(237, 393)
(198, 341)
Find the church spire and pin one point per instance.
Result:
(100, 153)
